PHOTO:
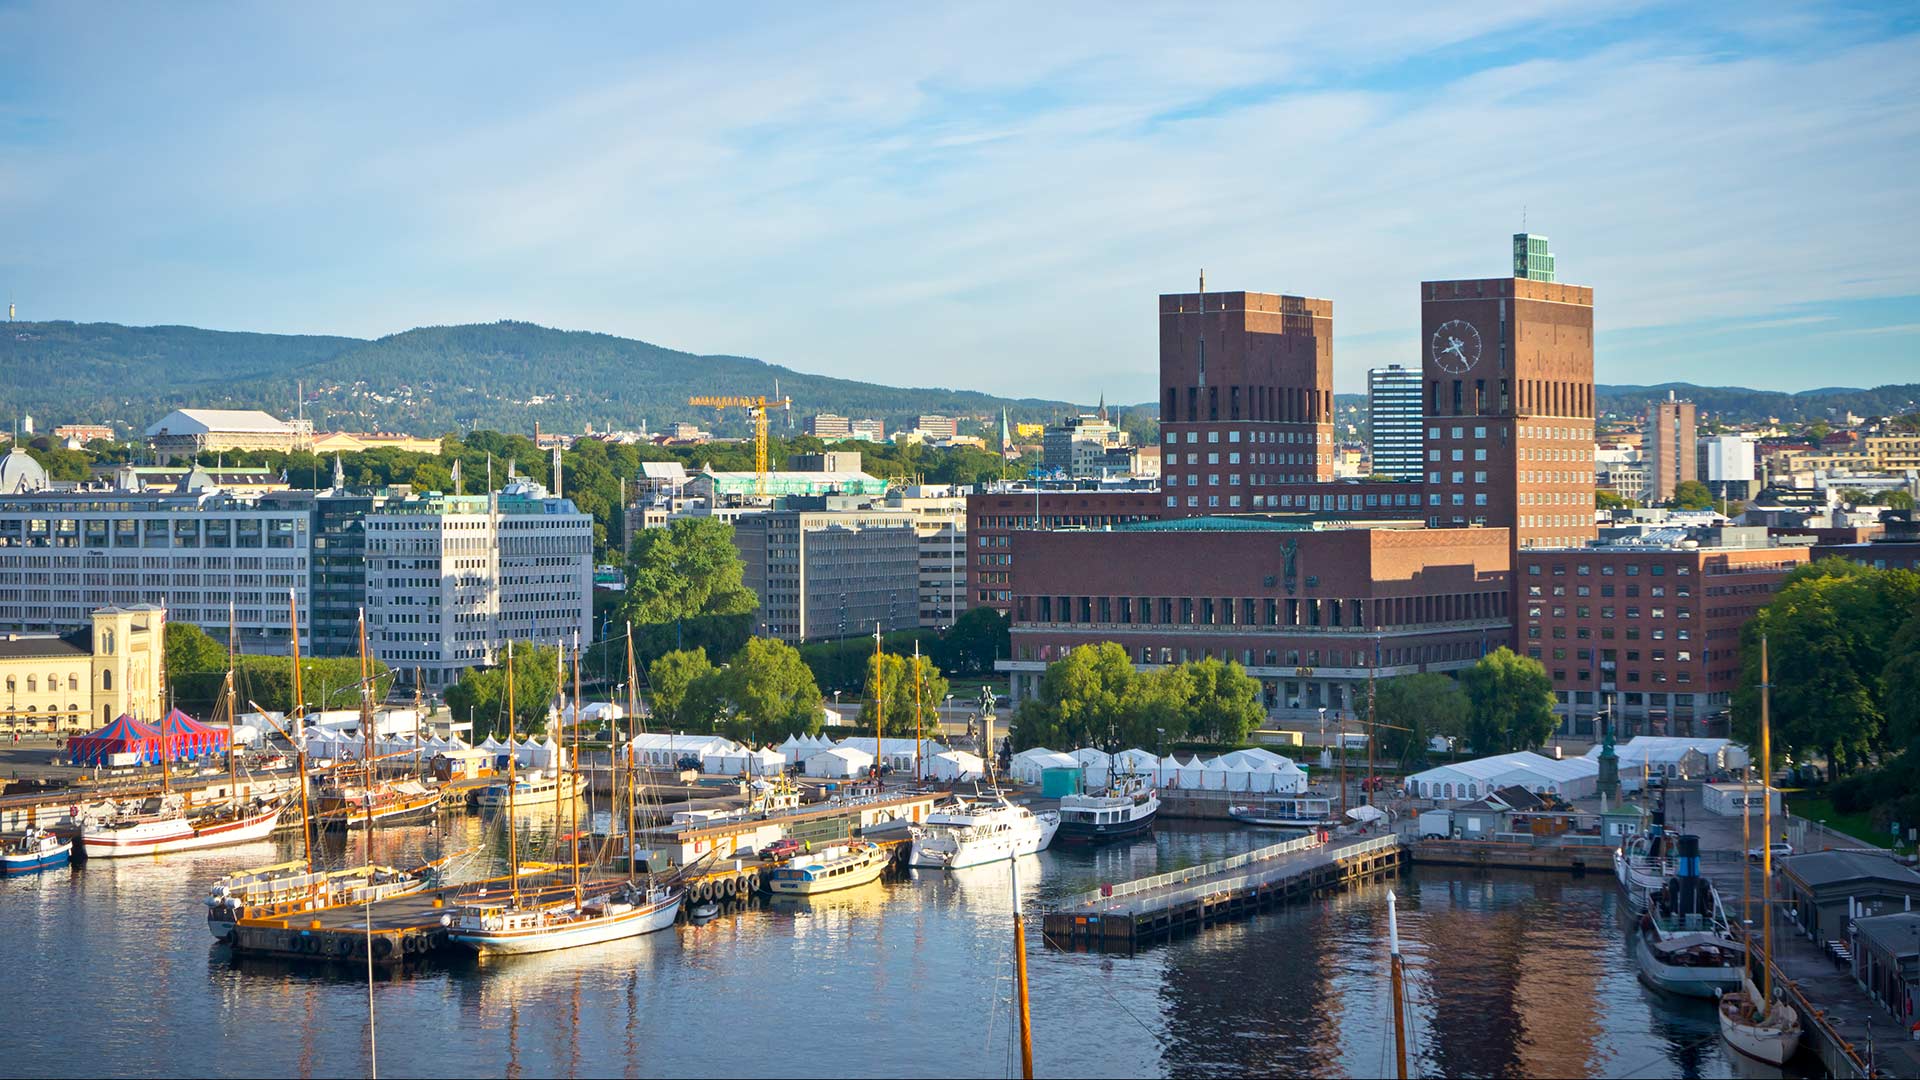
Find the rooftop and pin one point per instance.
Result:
(1817, 868)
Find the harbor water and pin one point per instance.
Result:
(111, 971)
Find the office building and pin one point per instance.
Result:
(1672, 456)
(1648, 626)
(1726, 465)
(937, 427)
(64, 555)
(824, 572)
(940, 520)
(1394, 423)
(873, 431)
(828, 426)
(77, 681)
(451, 579)
(1509, 407)
(1246, 397)
(1085, 445)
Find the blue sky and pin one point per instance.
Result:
(979, 196)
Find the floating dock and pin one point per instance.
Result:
(1128, 915)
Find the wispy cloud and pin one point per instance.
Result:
(984, 196)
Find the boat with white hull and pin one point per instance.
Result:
(841, 867)
(167, 828)
(1772, 1036)
(629, 911)
(1643, 864)
(1310, 812)
(972, 833)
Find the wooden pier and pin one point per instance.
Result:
(1135, 913)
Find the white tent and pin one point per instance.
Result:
(1237, 774)
(1096, 766)
(1465, 781)
(895, 753)
(1674, 756)
(1213, 775)
(665, 749)
(840, 763)
(1289, 778)
(1256, 757)
(1029, 764)
(1193, 774)
(1134, 761)
(1168, 772)
(956, 766)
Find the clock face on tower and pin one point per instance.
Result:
(1456, 346)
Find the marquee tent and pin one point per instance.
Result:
(1029, 764)
(957, 766)
(124, 736)
(840, 763)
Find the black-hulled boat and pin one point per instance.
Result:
(1124, 810)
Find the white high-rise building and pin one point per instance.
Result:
(1393, 415)
(451, 578)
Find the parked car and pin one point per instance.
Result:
(688, 761)
(784, 848)
(1780, 850)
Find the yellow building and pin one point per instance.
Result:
(72, 683)
(1029, 431)
(1893, 453)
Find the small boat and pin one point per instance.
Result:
(1126, 809)
(37, 850)
(971, 833)
(531, 790)
(161, 825)
(840, 867)
(1684, 945)
(385, 802)
(629, 910)
(1309, 811)
(1643, 864)
(1771, 1034)
(287, 889)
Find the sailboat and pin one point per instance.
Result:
(1754, 1020)
(372, 800)
(541, 921)
(162, 823)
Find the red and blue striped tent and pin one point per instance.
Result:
(124, 736)
(187, 738)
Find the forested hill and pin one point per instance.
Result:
(1736, 404)
(504, 375)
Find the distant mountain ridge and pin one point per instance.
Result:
(505, 375)
(510, 375)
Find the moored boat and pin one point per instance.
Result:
(1125, 809)
(384, 802)
(839, 867)
(1683, 945)
(530, 791)
(162, 825)
(288, 888)
(37, 850)
(1309, 811)
(972, 833)
(506, 929)
(1643, 864)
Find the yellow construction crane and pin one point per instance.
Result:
(757, 408)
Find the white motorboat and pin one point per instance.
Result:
(504, 929)
(532, 790)
(972, 833)
(839, 867)
(162, 825)
(1309, 811)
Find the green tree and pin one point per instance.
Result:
(1224, 705)
(767, 693)
(1511, 701)
(1691, 495)
(687, 570)
(1413, 709)
(1829, 630)
(1897, 500)
(1900, 688)
(893, 673)
(1083, 700)
(672, 676)
(1607, 500)
(482, 692)
(974, 641)
(191, 650)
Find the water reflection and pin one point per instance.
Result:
(1510, 974)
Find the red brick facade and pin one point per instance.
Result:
(1656, 629)
(1303, 610)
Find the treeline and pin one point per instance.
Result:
(196, 667)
